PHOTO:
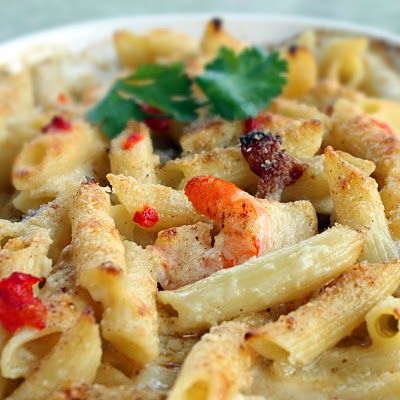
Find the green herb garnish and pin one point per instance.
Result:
(114, 111)
(236, 86)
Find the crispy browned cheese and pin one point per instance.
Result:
(267, 159)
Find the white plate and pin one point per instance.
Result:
(260, 28)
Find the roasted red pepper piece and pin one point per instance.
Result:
(146, 218)
(251, 124)
(158, 122)
(57, 124)
(131, 140)
(18, 306)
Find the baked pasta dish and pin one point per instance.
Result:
(201, 220)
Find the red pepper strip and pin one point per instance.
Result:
(18, 306)
(57, 124)
(158, 122)
(131, 140)
(146, 218)
(251, 124)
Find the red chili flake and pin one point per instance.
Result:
(18, 306)
(131, 140)
(146, 218)
(57, 124)
(382, 125)
(251, 124)
(157, 123)
(63, 98)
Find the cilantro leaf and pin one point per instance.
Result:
(114, 111)
(166, 87)
(238, 86)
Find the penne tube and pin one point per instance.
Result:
(390, 196)
(295, 110)
(290, 222)
(99, 255)
(53, 218)
(227, 164)
(216, 36)
(217, 367)
(109, 376)
(213, 134)
(157, 45)
(49, 81)
(357, 204)
(48, 156)
(343, 60)
(172, 206)
(333, 314)
(339, 374)
(102, 392)
(24, 350)
(75, 358)
(142, 287)
(302, 71)
(261, 282)
(131, 154)
(301, 138)
(24, 249)
(383, 323)
(355, 132)
(313, 184)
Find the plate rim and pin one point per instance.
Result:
(15, 48)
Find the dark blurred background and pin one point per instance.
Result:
(18, 17)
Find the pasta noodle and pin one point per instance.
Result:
(21, 355)
(333, 314)
(343, 60)
(382, 323)
(104, 274)
(173, 207)
(265, 281)
(75, 357)
(137, 161)
(357, 204)
(217, 366)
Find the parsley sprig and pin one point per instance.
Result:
(236, 86)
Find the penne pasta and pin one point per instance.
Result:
(357, 204)
(131, 154)
(313, 184)
(24, 249)
(172, 206)
(75, 358)
(390, 196)
(343, 60)
(23, 352)
(265, 281)
(217, 366)
(331, 315)
(382, 323)
(215, 36)
(227, 164)
(302, 71)
(100, 258)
